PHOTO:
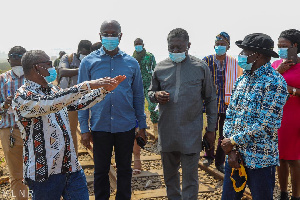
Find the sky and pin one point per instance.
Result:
(60, 24)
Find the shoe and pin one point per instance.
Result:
(221, 168)
(207, 162)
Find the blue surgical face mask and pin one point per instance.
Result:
(283, 53)
(243, 62)
(110, 43)
(220, 50)
(177, 57)
(52, 75)
(138, 48)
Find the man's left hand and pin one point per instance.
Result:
(226, 145)
(210, 137)
(142, 133)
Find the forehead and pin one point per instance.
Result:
(138, 42)
(221, 43)
(246, 52)
(283, 41)
(110, 27)
(177, 41)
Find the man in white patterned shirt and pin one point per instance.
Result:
(51, 167)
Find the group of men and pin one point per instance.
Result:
(183, 86)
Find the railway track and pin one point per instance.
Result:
(149, 184)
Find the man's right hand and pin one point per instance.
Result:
(86, 140)
(107, 83)
(162, 97)
(8, 102)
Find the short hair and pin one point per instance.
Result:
(178, 33)
(84, 44)
(111, 22)
(96, 46)
(33, 57)
(17, 50)
(293, 36)
(138, 39)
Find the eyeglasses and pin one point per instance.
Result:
(14, 56)
(49, 62)
(110, 35)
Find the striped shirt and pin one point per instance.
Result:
(254, 115)
(8, 81)
(218, 74)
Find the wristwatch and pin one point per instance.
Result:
(294, 91)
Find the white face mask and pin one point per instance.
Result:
(81, 56)
(18, 70)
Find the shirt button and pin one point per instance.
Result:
(112, 69)
(112, 118)
(112, 105)
(112, 92)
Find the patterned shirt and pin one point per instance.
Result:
(254, 115)
(218, 73)
(44, 125)
(8, 81)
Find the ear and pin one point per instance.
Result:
(228, 47)
(189, 45)
(120, 36)
(100, 36)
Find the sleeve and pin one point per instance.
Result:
(154, 87)
(88, 100)
(138, 98)
(153, 63)
(83, 115)
(269, 119)
(210, 99)
(29, 104)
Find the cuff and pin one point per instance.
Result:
(232, 141)
(84, 128)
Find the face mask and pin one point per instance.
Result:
(18, 70)
(52, 75)
(242, 61)
(110, 43)
(177, 57)
(282, 52)
(138, 48)
(220, 50)
(81, 56)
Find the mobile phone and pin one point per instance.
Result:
(292, 54)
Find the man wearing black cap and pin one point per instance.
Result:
(252, 120)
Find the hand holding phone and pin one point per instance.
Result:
(292, 54)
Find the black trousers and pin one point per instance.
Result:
(103, 146)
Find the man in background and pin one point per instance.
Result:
(57, 60)
(67, 77)
(10, 135)
(224, 70)
(147, 64)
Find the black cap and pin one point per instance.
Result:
(258, 42)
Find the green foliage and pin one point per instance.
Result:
(4, 66)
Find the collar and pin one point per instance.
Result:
(35, 86)
(102, 52)
(260, 71)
